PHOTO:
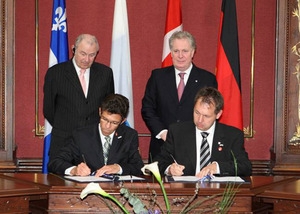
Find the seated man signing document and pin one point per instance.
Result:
(204, 146)
(108, 147)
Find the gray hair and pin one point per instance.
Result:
(182, 35)
(90, 39)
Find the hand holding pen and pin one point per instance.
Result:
(81, 169)
(175, 168)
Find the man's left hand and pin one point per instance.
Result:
(210, 169)
(108, 169)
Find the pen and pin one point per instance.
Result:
(84, 161)
(83, 158)
(173, 159)
(108, 176)
(207, 177)
(104, 175)
(112, 177)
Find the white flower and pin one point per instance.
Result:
(152, 167)
(96, 189)
(93, 188)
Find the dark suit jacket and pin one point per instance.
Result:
(181, 143)
(65, 106)
(160, 105)
(86, 141)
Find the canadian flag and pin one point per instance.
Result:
(173, 24)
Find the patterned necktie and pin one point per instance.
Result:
(82, 80)
(180, 85)
(204, 151)
(106, 149)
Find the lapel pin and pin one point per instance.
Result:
(220, 148)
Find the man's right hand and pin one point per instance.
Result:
(176, 169)
(81, 170)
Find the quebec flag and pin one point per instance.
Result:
(58, 53)
(120, 60)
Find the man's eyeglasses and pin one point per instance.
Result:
(115, 123)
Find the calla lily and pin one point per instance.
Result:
(153, 167)
(94, 188)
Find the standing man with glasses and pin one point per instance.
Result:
(108, 147)
(74, 90)
(170, 91)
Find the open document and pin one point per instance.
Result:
(224, 179)
(87, 179)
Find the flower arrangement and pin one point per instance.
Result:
(222, 206)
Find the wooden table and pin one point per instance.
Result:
(48, 193)
(284, 197)
(15, 194)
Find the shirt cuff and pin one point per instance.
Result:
(160, 133)
(167, 171)
(121, 170)
(68, 170)
(218, 168)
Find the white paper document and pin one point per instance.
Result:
(214, 179)
(101, 179)
(228, 179)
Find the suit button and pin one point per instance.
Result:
(178, 121)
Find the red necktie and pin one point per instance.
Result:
(180, 85)
(82, 80)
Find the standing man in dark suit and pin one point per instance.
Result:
(68, 104)
(86, 151)
(225, 153)
(161, 104)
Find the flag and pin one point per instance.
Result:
(228, 66)
(173, 24)
(120, 60)
(58, 53)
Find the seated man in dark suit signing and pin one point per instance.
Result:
(108, 147)
(204, 146)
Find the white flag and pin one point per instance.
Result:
(120, 60)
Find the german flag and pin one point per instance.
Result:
(228, 66)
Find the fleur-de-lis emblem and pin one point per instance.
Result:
(60, 20)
